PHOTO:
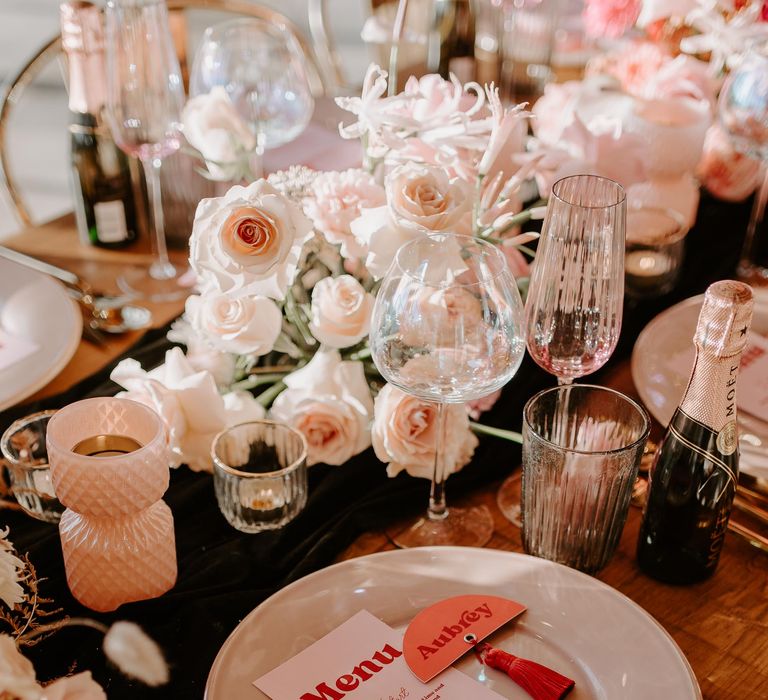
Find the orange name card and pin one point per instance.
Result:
(438, 635)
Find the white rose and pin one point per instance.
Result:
(189, 403)
(404, 431)
(329, 402)
(213, 126)
(341, 311)
(248, 241)
(243, 325)
(421, 200)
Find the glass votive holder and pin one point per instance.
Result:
(260, 475)
(26, 456)
(582, 447)
(654, 251)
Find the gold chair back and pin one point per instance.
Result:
(16, 86)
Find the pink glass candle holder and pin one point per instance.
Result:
(116, 534)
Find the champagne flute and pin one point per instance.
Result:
(447, 328)
(261, 66)
(145, 98)
(743, 112)
(575, 299)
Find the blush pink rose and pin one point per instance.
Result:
(554, 110)
(404, 432)
(341, 311)
(329, 402)
(725, 172)
(336, 200)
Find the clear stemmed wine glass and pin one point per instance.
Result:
(145, 98)
(743, 112)
(261, 66)
(447, 328)
(576, 295)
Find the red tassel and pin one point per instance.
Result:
(540, 682)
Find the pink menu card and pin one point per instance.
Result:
(360, 660)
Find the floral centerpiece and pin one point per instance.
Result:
(288, 268)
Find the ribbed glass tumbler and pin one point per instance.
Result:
(25, 454)
(582, 447)
(260, 475)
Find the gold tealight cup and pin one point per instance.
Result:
(106, 446)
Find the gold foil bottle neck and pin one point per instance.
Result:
(724, 320)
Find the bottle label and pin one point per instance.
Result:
(728, 438)
(110, 221)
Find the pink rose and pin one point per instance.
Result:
(479, 406)
(336, 201)
(439, 311)
(404, 431)
(725, 172)
(81, 686)
(341, 311)
(329, 402)
(421, 199)
(610, 18)
(17, 675)
(243, 325)
(248, 241)
(633, 66)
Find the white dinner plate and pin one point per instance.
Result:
(35, 307)
(574, 623)
(661, 364)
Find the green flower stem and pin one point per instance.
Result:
(266, 397)
(363, 354)
(525, 249)
(255, 380)
(496, 432)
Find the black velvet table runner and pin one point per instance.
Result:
(224, 574)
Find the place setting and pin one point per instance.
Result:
(438, 375)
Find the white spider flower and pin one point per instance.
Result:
(135, 654)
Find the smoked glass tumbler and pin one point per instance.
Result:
(25, 455)
(582, 446)
(260, 475)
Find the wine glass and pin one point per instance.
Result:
(145, 96)
(261, 66)
(576, 295)
(743, 112)
(447, 328)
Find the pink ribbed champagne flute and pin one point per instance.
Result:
(576, 295)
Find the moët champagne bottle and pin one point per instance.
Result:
(694, 477)
(101, 179)
(451, 46)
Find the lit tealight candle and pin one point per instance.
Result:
(106, 446)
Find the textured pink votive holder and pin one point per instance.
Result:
(116, 534)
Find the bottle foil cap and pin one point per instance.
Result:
(724, 319)
(81, 29)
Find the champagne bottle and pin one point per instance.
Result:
(101, 179)
(451, 47)
(693, 479)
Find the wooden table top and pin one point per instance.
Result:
(721, 624)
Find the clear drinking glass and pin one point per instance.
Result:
(145, 96)
(655, 249)
(447, 327)
(743, 112)
(579, 467)
(575, 299)
(26, 456)
(260, 475)
(261, 66)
